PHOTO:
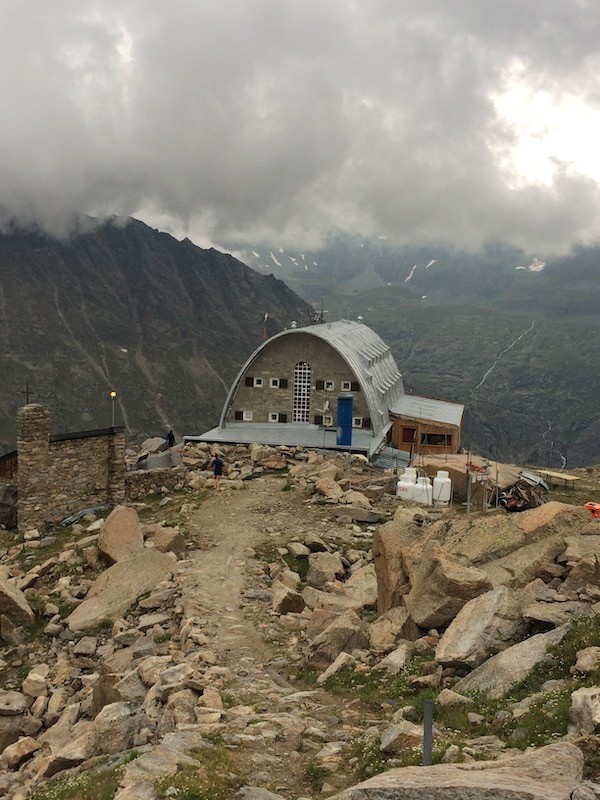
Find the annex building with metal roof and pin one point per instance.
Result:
(289, 389)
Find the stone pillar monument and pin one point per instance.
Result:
(35, 473)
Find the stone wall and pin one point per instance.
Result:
(141, 483)
(60, 475)
(277, 361)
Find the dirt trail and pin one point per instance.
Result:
(227, 528)
(223, 585)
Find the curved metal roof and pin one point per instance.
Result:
(368, 356)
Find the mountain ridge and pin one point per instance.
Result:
(124, 307)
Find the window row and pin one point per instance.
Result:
(282, 383)
(274, 383)
(319, 419)
(345, 386)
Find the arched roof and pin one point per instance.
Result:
(367, 355)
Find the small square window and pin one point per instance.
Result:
(319, 385)
(328, 419)
(273, 416)
(238, 415)
(283, 383)
(357, 422)
(274, 383)
(318, 419)
(329, 386)
(258, 381)
(354, 386)
(345, 386)
(282, 418)
(248, 380)
(247, 416)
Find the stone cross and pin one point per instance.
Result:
(27, 392)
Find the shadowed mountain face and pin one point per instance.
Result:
(163, 323)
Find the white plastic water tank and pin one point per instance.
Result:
(442, 488)
(405, 488)
(424, 491)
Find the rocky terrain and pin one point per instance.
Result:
(281, 637)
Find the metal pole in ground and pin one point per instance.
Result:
(428, 733)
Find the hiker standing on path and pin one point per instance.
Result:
(218, 470)
(170, 439)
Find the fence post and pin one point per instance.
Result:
(428, 733)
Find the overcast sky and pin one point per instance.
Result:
(279, 120)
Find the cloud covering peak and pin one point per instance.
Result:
(280, 120)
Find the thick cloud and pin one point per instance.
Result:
(282, 119)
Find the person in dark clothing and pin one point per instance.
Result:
(170, 439)
(218, 470)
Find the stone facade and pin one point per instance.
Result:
(141, 483)
(60, 475)
(276, 363)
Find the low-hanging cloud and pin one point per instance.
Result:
(280, 120)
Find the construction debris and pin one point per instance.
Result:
(530, 491)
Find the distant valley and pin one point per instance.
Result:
(513, 336)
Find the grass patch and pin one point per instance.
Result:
(299, 565)
(229, 700)
(584, 632)
(315, 775)
(103, 626)
(376, 687)
(213, 779)
(95, 785)
(13, 677)
(366, 759)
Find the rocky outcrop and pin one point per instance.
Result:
(496, 676)
(13, 603)
(347, 633)
(389, 628)
(441, 586)
(484, 626)
(120, 535)
(117, 588)
(551, 773)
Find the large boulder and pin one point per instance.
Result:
(324, 568)
(361, 587)
(391, 627)
(154, 444)
(115, 590)
(165, 539)
(555, 614)
(441, 586)
(550, 773)
(286, 600)
(501, 672)
(13, 603)
(344, 634)
(329, 488)
(483, 627)
(357, 499)
(120, 535)
(585, 710)
(525, 563)
(388, 542)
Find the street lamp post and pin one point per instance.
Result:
(113, 394)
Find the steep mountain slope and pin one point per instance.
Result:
(162, 322)
(530, 384)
